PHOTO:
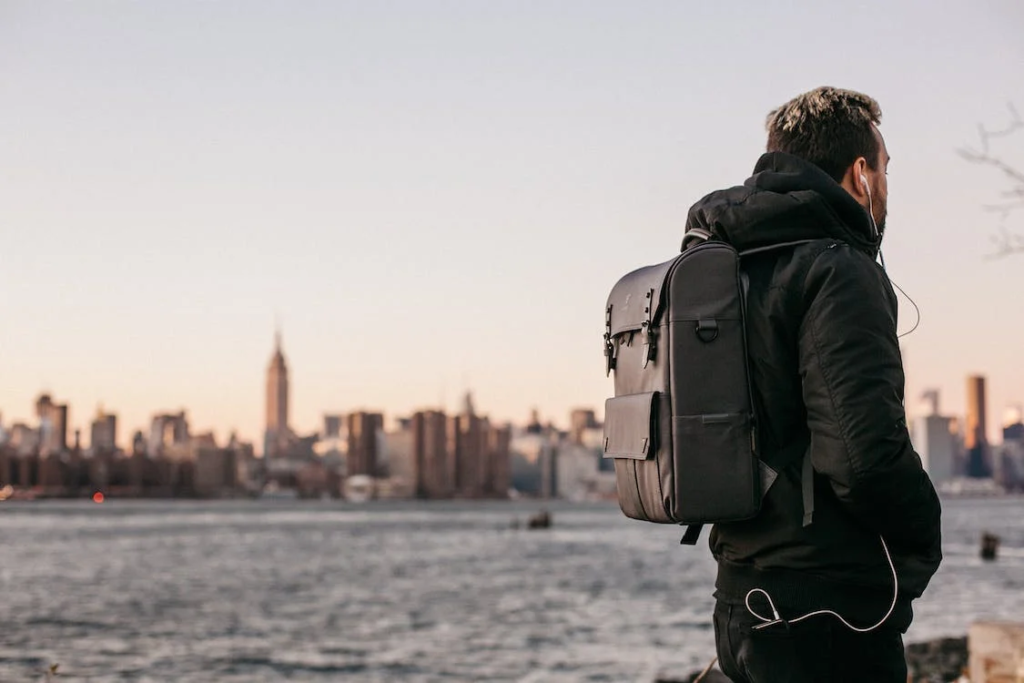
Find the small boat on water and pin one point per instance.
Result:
(358, 488)
(541, 520)
(274, 491)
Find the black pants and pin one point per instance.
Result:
(817, 650)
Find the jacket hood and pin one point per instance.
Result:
(785, 200)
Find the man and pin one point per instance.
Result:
(828, 381)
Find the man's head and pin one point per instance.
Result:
(837, 131)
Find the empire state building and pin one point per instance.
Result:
(277, 433)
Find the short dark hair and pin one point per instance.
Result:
(829, 127)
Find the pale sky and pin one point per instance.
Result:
(432, 195)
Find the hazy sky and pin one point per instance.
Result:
(439, 194)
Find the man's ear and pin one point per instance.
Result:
(852, 182)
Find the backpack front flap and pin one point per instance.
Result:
(638, 419)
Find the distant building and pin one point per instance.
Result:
(23, 439)
(1013, 424)
(332, 426)
(315, 480)
(430, 454)
(1009, 463)
(277, 433)
(6, 469)
(975, 441)
(103, 432)
(53, 425)
(937, 441)
(1010, 455)
(362, 443)
(332, 451)
(216, 472)
(499, 442)
(462, 456)
(139, 444)
(168, 435)
(304, 447)
(531, 464)
(579, 474)
(580, 420)
(453, 438)
(534, 427)
(203, 440)
(467, 444)
(549, 482)
(398, 449)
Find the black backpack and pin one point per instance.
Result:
(682, 426)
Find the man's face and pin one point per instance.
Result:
(879, 184)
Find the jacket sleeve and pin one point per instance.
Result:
(853, 382)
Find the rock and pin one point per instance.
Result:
(989, 546)
(714, 675)
(937, 661)
(541, 520)
(997, 651)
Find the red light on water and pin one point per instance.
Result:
(97, 497)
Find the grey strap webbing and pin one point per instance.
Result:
(807, 487)
(691, 534)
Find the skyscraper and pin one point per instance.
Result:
(430, 449)
(53, 425)
(277, 432)
(498, 442)
(975, 441)
(362, 443)
(467, 444)
(103, 433)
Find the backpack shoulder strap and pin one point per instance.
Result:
(695, 236)
(807, 468)
(773, 247)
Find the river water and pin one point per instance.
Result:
(290, 591)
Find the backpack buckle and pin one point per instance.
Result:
(650, 348)
(609, 345)
(707, 330)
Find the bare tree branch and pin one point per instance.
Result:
(1006, 242)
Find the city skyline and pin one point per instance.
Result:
(57, 431)
(441, 196)
(977, 409)
(429, 454)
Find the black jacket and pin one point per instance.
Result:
(827, 374)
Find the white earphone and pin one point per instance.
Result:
(871, 210)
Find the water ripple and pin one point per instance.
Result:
(400, 592)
